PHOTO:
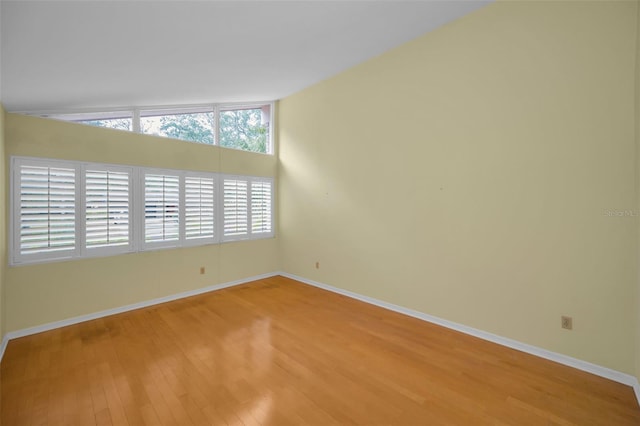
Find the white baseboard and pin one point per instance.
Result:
(598, 370)
(3, 346)
(105, 313)
(607, 373)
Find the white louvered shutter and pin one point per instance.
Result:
(161, 208)
(107, 208)
(47, 210)
(199, 207)
(235, 200)
(261, 207)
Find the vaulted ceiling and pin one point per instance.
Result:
(67, 55)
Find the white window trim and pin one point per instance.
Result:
(140, 207)
(109, 250)
(250, 235)
(216, 214)
(14, 229)
(255, 235)
(136, 211)
(136, 113)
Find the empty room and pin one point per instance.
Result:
(319, 212)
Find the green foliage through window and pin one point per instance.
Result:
(194, 127)
(114, 123)
(244, 129)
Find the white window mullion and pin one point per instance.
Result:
(219, 211)
(216, 125)
(137, 231)
(135, 120)
(181, 210)
(249, 208)
(81, 208)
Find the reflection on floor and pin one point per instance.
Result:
(278, 352)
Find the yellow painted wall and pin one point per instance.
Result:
(468, 173)
(3, 224)
(49, 292)
(637, 118)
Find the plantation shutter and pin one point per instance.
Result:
(199, 207)
(161, 208)
(47, 210)
(261, 207)
(236, 217)
(107, 208)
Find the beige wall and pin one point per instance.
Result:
(3, 228)
(50, 292)
(637, 117)
(467, 174)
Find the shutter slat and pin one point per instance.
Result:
(107, 208)
(261, 216)
(199, 206)
(162, 214)
(47, 209)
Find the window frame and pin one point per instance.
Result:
(217, 177)
(106, 250)
(16, 256)
(249, 235)
(151, 245)
(137, 199)
(137, 113)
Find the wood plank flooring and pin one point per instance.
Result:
(278, 352)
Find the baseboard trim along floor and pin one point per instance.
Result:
(598, 370)
(607, 373)
(88, 317)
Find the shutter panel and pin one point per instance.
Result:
(199, 207)
(107, 208)
(47, 209)
(236, 217)
(261, 213)
(161, 208)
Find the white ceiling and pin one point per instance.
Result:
(66, 55)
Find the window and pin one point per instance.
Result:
(161, 208)
(107, 200)
(189, 125)
(236, 200)
(199, 207)
(247, 208)
(261, 206)
(45, 210)
(67, 209)
(246, 127)
(121, 120)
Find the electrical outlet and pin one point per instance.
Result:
(317, 265)
(567, 322)
(202, 270)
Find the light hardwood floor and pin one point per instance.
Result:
(279, 352)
